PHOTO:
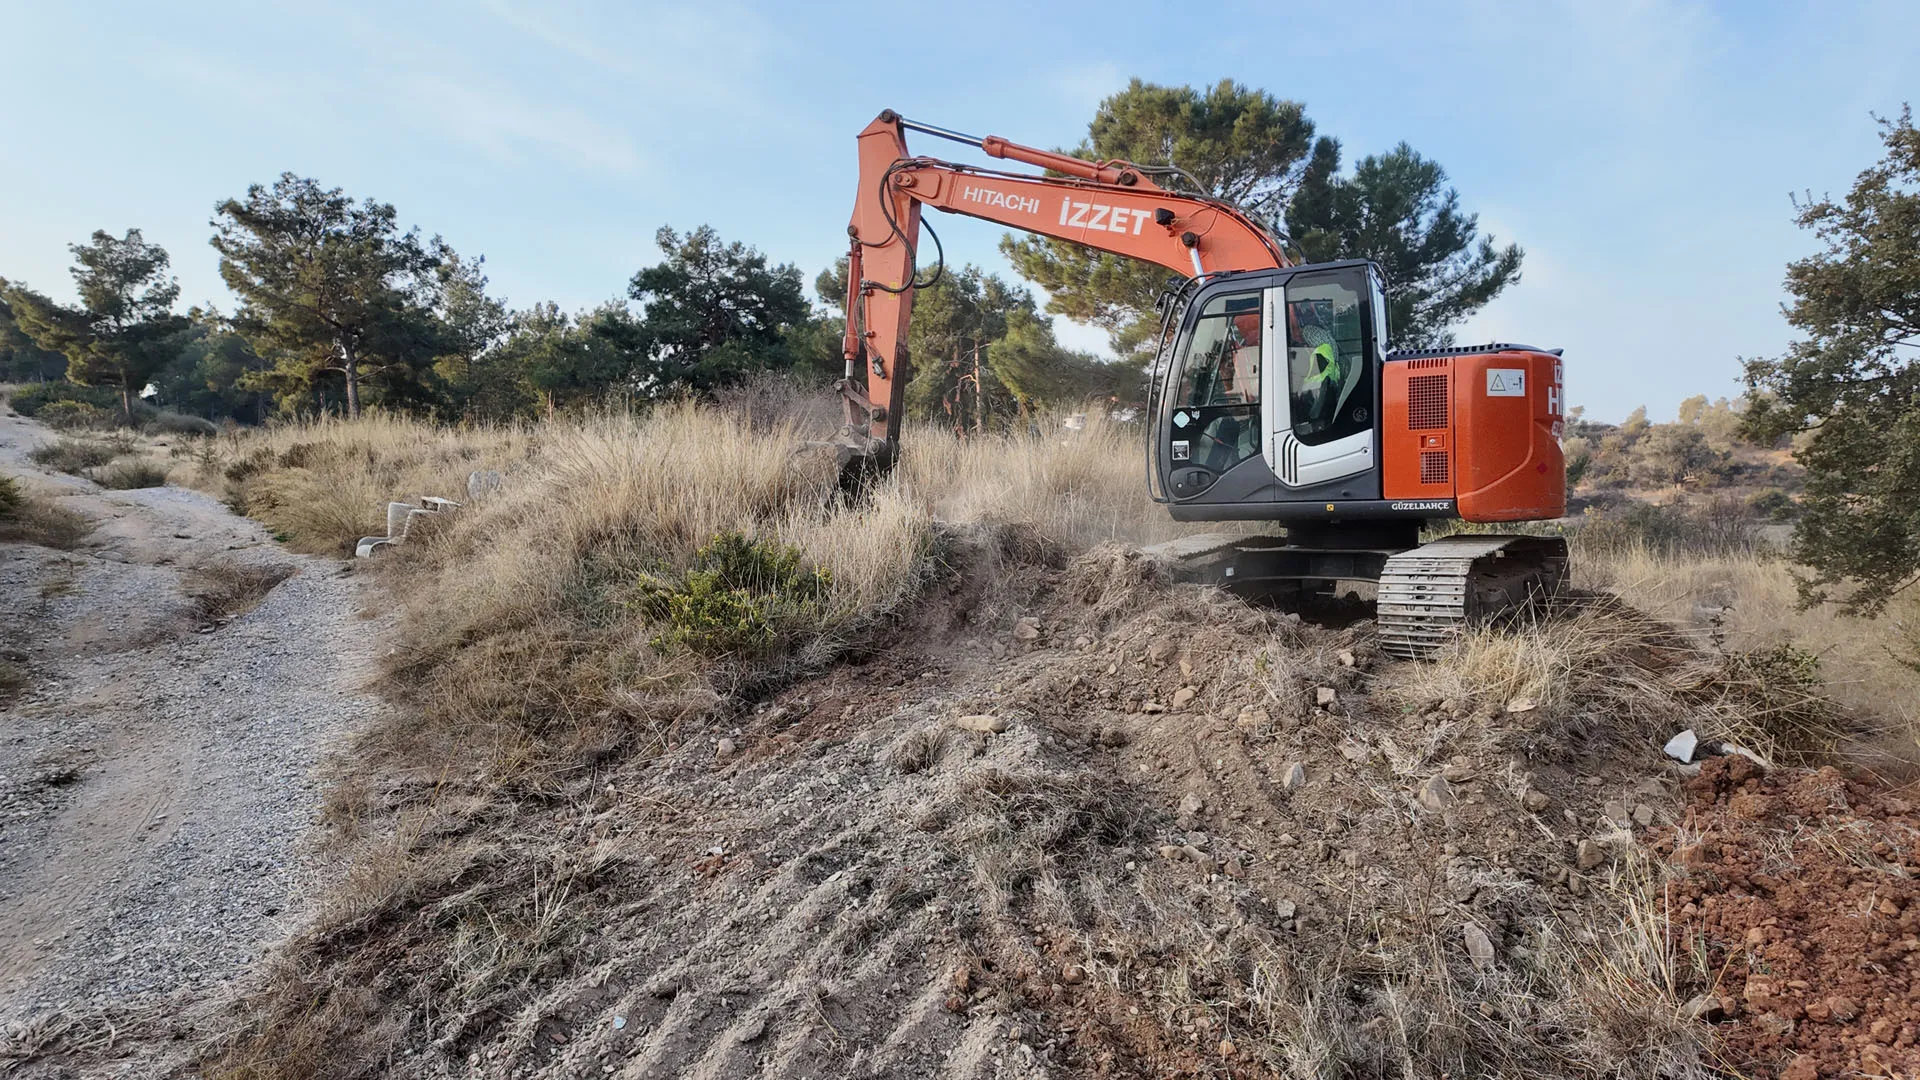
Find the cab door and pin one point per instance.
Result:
(1325, 339)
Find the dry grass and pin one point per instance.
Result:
(1748, 604)
(29, 517)
(222, 591)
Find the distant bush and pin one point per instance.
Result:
(1773, 505)
(73, 416)
(10, 497)
(740, 595)
(69, 455)
(131, 473)
(173, 423)
(1720, 526)
(29, 400)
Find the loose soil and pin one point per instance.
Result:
(1799, 907)
(1042, 827)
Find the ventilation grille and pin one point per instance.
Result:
(1433, 466)
(1430, 362)
(1426, 402)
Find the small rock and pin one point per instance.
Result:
(1226, 1048)
(1186, 669)
(1354, 751)
(1616, 813)
(982, 723)
(1112, 737)
(619, 1023)
(1026, 629)
(1286, 839)
(1073, 974)
(1151, 707)
(1198, 839)
(1158, 651)
(1172, 851)
(1295, 778)
(725, 750)
(1252, 720)
(1842, 1009)
(1324, 696)
(1479, 946)
(961, 978)
(1457, 774)
(1802, 1067)
(1233, 868)
(1285, 909)
(1536, 801)
(1681, 747)
(1347, 658)
(753, 1031)
(1184, 697)
(1643, 815)
(1522, 704)
(1191, 804)
(1082, 641)
(1435, 794)
(1590, 855)
(1706, 1007)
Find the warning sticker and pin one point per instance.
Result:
(1506, 382)
(1180, 451)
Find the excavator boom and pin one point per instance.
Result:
(1107, 205)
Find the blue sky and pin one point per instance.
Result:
(1642, 153)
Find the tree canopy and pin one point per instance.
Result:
(327, 285)
(1251, 148)
(1853, 382)
(1397, 210)
(118, 336)
(713, 311)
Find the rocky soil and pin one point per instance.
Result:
(183, 682)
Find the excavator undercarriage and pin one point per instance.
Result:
(1428, 594)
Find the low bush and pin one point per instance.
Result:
(76, 456)
(131, 473)
(165, 422)
(1719, 526)
(29, 519)
(740, 596)
(29, 400)
(74, 416)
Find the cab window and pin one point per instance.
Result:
(1330, 373)
(1216, 405)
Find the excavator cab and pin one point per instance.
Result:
(1266, 400)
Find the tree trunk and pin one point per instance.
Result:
(350, 367)
(126, 400)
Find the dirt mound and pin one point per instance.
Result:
(1799, 911)
(1066, 819)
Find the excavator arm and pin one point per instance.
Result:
(1111, 206)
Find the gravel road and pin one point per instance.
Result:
(160, 771)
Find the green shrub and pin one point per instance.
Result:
(10, 497)
(77, 455)
(131, 473)
(741, 595)
(1773, 505)
(73, 415)
(29, 400)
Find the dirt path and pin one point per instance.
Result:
(158, 769)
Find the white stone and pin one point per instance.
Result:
(1681, 747)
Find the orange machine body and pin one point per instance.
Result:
(1479, 428)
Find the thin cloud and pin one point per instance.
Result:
(513, 128)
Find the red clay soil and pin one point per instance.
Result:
(1799, 902)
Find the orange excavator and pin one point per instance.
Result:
(1273, 397)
